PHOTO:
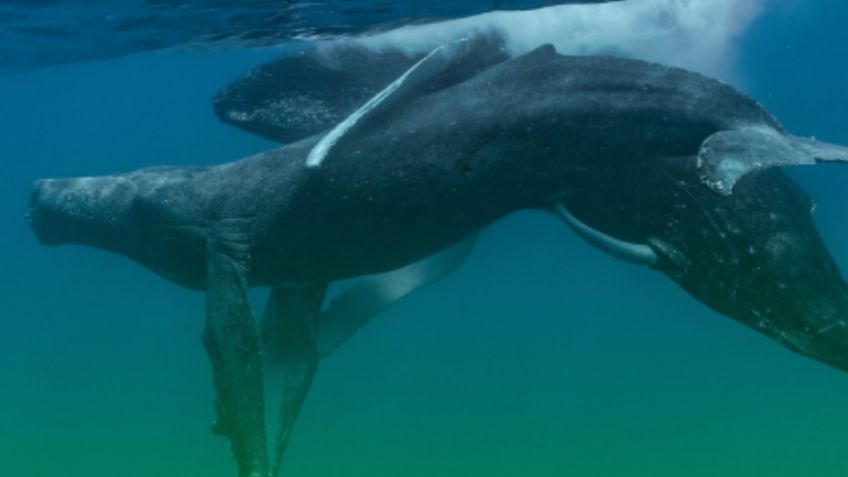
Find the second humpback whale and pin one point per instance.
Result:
(656, 165)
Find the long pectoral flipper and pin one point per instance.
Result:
(296, 333)
(232, 342)
(403, 88)
(372, 294)
(640, 254)
(287, 338)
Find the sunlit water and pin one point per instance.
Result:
(540, 357)
(39, 32)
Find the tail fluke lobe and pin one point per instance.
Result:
(727, 156)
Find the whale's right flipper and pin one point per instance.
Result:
(372, 294)
(426, 75)
(232, 342)
(313, 90)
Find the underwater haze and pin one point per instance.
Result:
(44, 32)
(541, 356)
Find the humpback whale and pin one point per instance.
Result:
(655, 165)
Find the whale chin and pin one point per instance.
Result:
(83, 211)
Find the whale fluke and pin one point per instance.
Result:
(727, 156)
(822, 151)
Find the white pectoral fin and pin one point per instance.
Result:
(727, 156)
(401, 88)
(371, 294)
(640, 254)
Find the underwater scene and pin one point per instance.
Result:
(491, 238)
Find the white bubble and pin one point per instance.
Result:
(694, 34)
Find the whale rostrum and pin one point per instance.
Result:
(654, 165)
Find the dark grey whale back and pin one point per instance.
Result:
(314, 89)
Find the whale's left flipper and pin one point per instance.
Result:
(727, 156)
(289, 344)
(232, 342)
(296, 332)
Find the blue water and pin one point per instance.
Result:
(541, 356)
(39, 32)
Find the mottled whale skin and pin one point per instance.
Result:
(437, 169)
(639, 153)
(311, 90)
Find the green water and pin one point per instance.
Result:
(540, 357)
(543, 360)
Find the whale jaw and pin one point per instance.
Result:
(84, 211)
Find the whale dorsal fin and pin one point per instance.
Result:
(727, 156)
(372, 294)
(404, 87)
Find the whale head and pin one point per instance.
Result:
(754, 255)
(129, 214)
(84, 211)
